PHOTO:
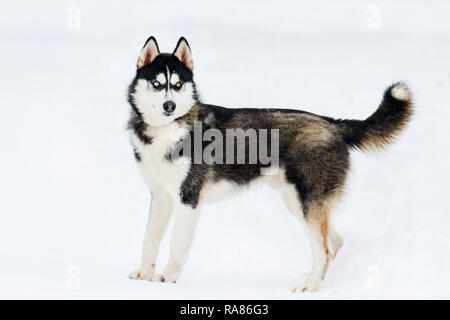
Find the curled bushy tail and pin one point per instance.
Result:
(384, 125)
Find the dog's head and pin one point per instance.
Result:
(163, 89)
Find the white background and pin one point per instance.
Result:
(73, 206)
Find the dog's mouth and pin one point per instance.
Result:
(168, 113)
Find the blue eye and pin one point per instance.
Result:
(156, 84)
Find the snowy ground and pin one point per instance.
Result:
(73, 206)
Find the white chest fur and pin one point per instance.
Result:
(157, 171)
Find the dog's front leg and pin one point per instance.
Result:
(183, 232)
(161, 209)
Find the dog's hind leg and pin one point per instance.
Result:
(335, 240)
(324, 240)
(159, 216)
(319, 233)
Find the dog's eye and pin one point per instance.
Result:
(178, 85)
(156, 84)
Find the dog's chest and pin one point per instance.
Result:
(157, 170)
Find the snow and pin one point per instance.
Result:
(74, 207)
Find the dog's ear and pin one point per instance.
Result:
(183, 53)
(148, 53)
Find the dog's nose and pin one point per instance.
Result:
(169, 106)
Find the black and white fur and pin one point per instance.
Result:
(313, 152)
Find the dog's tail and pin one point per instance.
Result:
(384, 125)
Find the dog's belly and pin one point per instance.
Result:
(217, 191)
(224, 189)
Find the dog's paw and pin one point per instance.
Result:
(164, 277)
(309, 285)
(140, 274)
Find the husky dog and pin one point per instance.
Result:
(313, 156)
